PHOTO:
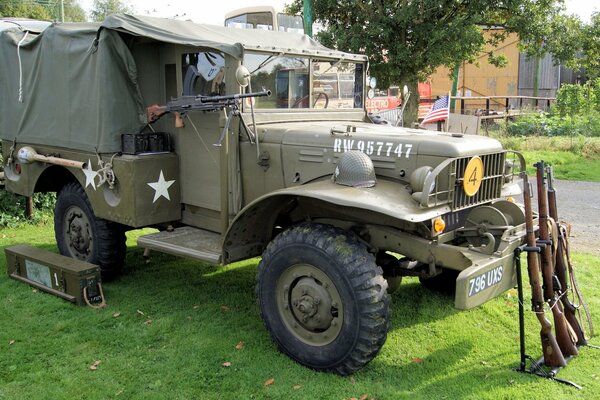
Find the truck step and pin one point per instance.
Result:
(189, 242)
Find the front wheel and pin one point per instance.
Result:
(323, 298)
(81, 235)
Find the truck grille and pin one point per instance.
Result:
(491, 184)
(449, 182)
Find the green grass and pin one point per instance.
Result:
(572, 158)
(199, 313)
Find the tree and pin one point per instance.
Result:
(42, 9)
(590, 40)
(407, 40)
(103, 8)
(24, 9)
(73, 11)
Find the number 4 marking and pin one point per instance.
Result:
(473, 178)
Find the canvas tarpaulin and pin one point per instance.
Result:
(74, 94)
(79, 81)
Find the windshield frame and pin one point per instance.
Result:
(271, 56)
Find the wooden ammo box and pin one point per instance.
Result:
(71, 279)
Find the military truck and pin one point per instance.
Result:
(145, 122)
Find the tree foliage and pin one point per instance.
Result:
(103, 8)
(42, 10)
(407, 40)
(23, 9)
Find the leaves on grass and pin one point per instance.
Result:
(240, 345)
(140, 312)
(189, 317)
(34, 290)
(196, 306)
(226, 364)
(484, 362)
(116, 315)
(148, 322)
(224, 308)
(269, 382)
(94, 365)
(11, 342)
(364, 397)
(352, 380)
(416, 360)
(296, 387)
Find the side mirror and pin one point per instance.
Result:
(372, 82)
(242, 76)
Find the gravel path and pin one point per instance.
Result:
(579, 205)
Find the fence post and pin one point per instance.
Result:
(462, 106)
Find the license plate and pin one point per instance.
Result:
(485, 280)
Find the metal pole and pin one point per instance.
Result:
(62, 10)
(308, 17)
(454, 87)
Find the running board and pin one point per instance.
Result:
(189, 242)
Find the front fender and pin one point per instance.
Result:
(387, 203)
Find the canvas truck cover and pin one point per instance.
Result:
(75, 85)
(60, 89)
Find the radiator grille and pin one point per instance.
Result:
(491, 184)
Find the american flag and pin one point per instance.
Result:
(439, 111)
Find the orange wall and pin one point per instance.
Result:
(483, 79)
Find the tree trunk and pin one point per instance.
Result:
(412, 107)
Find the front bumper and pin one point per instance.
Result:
(483, 276)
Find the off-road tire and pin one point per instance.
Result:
(81, 235)
(332, 266)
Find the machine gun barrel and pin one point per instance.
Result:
(198, 103)
(561, 326)
(552, 354)
(561, 268)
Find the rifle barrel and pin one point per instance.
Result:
(552, 353)
(561, 325)
(560, 267)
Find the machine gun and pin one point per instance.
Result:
(562, 251)
(562, 328)
(185, 104)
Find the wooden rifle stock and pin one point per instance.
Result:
(552, 354)
(561, 326)
(561, 268)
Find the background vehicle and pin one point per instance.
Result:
(327, 198)
(264, 17)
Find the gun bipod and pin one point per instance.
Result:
(537, 368)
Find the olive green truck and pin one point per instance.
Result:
(243, 143)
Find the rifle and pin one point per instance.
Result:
(570, 309)
(561, 325)
(184, 104)
(552, 354)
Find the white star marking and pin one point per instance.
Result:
(90, 175)
(161, 187)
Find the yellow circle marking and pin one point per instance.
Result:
(473, 176)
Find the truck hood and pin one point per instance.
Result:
(358, 136)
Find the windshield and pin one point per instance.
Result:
(302, 82)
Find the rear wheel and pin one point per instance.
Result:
(323, 298)
(81, 235)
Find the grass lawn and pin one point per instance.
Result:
(171, 325)
(572, 158)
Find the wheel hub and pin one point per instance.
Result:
(310, 304)
(78, 233)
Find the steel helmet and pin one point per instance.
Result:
(355, 168)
